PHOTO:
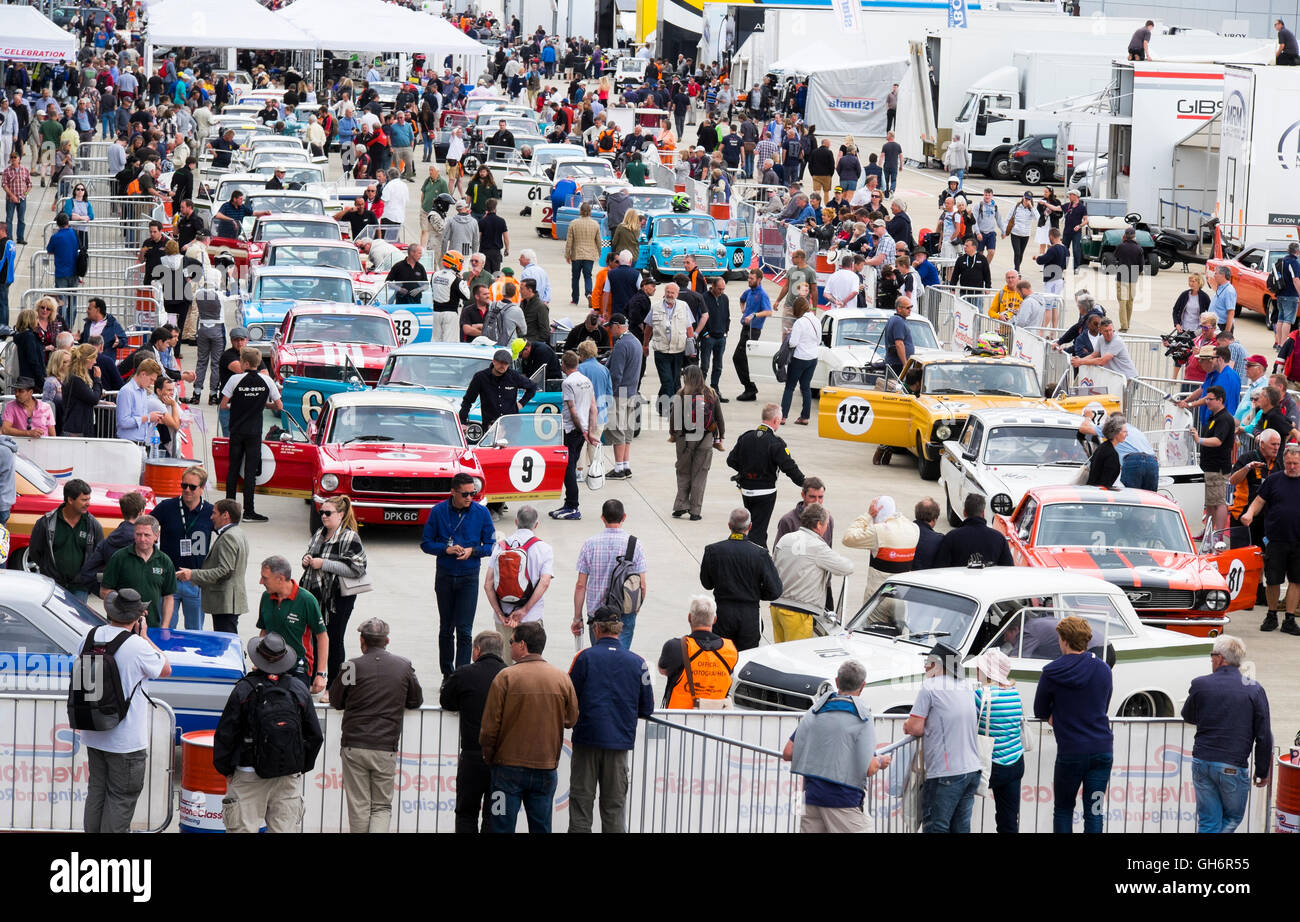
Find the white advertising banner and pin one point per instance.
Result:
(851, 100)
(1028, 347)
(963, 324)
(848, 15)
(1101, 380)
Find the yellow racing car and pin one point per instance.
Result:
(931, 401)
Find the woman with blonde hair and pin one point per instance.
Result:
(696, 428)
(48, 327)
(335, 551)
(627, 236)
(56, 369)
(81, 391)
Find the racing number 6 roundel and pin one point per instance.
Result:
(854, 415)
(527, 470)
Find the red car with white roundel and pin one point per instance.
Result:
(333, 343)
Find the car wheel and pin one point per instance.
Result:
(17, 560)
(1143, 704)
(1153, 264)
(1033, 175)
(1237, 310)
(953, 519)
(927, 468)
(1000, 167)
(653, 268)
(1108, 262)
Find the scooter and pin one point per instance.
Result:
(1181, 246)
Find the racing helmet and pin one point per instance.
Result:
(453, 260)
(954, 178)
(442, 203)
(988, 344)
(681, 203)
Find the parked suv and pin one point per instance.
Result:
(1033, 160)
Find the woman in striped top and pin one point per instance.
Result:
(1001, 718)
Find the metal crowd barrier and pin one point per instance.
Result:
(106, 234)
(662, 176)
(96, 184)
(103, 267)
(44, 767)
(109, 204)
(133, 306)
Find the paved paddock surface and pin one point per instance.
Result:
(403, 575)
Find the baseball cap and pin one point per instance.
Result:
(607, 614)
(618, 320)
(239, 333)
(373, 627)
(502, 355)
(1257, 359)
(878, 223)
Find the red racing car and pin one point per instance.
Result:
(1140, 542)
(333, 343)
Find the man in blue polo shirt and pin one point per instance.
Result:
(756, 308)
(1220, 373)
(459, 534)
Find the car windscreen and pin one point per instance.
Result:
(347, 258)
(916, 614)
(317, 230)
(294, 174)
(71, 610)
(546, 157)
(1034, 445)
(411, 425)
(869, 331)
(1101, 526)
(245, 186)
(686, 226)
(652, 201)
(33, 473)
(294, 288)
(585, 171)
(342, 328)
(981, 378)
(522, 429)
(432, 370)
(285, 204)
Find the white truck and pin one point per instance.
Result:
(1259, 157)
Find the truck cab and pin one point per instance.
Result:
(990, 137)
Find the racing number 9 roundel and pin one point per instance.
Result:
(854, 415)
(527, 469)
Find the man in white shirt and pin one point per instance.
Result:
(395, 198)
(579, 400)
(841, 289)
(539, 569)
(118, 757)
(382, 254)
(531, 270)
(1111, 352)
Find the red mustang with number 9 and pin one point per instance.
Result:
(1139, 541)
(395, 454)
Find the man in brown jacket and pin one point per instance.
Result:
(373, 690)
(582, 248)
(528, 708)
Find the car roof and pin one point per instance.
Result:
(314, 272)
(1100, 496)
(1000, 582)
(467, 350)
(310, 242)
(29, 588)
(385, 398)
(350, 310)
(294, 216)
(1023, 417)
(870, 313)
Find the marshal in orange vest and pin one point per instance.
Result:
(706, 674)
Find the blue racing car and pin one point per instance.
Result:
(667, 239)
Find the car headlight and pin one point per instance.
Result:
(256, 333)
(1216, 600)
(286, 370)
(1001, 504)
(329, 482)
(720, 252)
(942, 432)
(478, 485)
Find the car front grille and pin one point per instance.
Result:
(338, 372)
(1166, 599)
(702, 261)
(761, 698)
(424, 486)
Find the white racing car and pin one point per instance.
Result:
(1002, 453)
(1015, 609)
(852, 338)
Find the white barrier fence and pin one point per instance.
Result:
(44, 768)
(100, 460)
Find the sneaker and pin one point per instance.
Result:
(1289, 626)
(1270, 622)
(566, 513)
(696, 518)
(214, 400)
(623, 474)
(255, 517)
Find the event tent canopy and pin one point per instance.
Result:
(222, 24)
(376, 26)
(26, 35)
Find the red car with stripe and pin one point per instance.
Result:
(1139, 541)
(331, 342)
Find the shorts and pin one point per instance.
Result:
(1286, 309)
(1281, 562)
(620, 426)
(988, 241)
(1216, 489)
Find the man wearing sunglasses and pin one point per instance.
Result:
(186, 522)
(458, 534)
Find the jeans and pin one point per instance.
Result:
(1018, 245)
(1004, 783)
(457, 595)
(1074, 243)
(69, 310)
(712, 349)
(573, 441)
(116, 780)
(1140, 471)
(17, 231)
(223, 421)
(428, 146)
(337, 629)
(512, 786)
(891, 179)
(580, 267)
(961, 176)
(625, 638)
(848, 185)
(4, 304)
(800, 373)
(189, 602)
(1221, 793)
(669, 367)
(211, 339)
(108, 124)
(473, 793)
(1286, 308)
(946, 803)
(1092, 770)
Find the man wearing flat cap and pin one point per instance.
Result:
(496, 388)
(373, 690)
(268, 735)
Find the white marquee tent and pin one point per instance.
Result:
(26, 35)
(223, 24)
(845, 95)
(376, 26)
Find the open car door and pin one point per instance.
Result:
(288, 463)
(303, 398)
(523, 457)
(1240, 562)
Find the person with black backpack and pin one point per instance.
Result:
(115, 661)
(268, 735)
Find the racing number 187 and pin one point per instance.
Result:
(853, 414)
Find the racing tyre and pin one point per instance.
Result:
(928, 469)
(1108, 262)
(1270, 312)
(1000, 167)
(656, 274)
(1033, 175)
(470, 164)
(953, 518)
(1153, 264)
(18, 561)
(1142, 704)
